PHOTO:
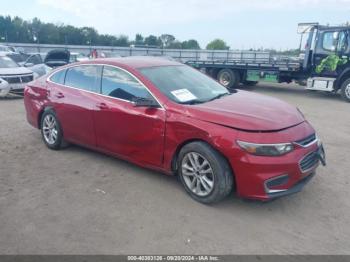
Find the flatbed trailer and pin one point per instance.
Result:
(324, 67)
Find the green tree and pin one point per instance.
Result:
(218, 44)
(190, 44)
(139, 39)
(175, 45)
(152, 41)
(15, 29)
(122, 40)
(167, 40)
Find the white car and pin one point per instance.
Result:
(77, 57)
(13, 77)
(4, 48)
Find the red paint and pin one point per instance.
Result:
(150, 137)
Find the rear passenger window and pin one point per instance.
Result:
(85, 77)
(58, 77)
(119, 84)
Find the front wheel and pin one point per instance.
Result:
(345, 90)
(204, 173)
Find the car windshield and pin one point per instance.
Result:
(183, 84)
(6, 62)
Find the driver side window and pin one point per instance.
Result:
(329, 41)
(342, 42)
(120, 84)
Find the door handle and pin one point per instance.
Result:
(59, 95)
(102, 106)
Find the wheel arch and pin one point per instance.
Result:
(342, 77)
(186, 142)
(40, 115)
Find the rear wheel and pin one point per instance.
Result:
(204, 173)
(51, 130)
(228, 78)
(345, 90)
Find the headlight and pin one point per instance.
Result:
(266, 149)
(319, 141)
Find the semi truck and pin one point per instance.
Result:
(324, 65)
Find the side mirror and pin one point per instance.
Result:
(144, 102)
(28, 64)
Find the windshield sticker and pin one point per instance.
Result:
(183, 95)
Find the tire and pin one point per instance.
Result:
(345, 90)
(49, 124)
(213, 186)
(228, 78)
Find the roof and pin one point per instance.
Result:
(137, 61)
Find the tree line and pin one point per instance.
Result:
(18, 30)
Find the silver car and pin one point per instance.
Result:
(13, 77)
(33, 62)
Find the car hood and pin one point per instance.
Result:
(248, 111)
(14, 71)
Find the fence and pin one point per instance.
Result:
(182, 55)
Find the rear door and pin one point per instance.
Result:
(75, 100)
(121, 128)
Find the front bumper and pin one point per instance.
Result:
(265, 178)
(12, 88)
(294, 189)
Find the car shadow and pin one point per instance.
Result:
(11, 97)
(232, 203)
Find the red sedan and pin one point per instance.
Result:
(167, 116)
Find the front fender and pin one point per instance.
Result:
(181, 129)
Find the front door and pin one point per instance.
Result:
(330, 54)
(136, 133)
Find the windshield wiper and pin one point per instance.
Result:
(193, 102)
(218, 96)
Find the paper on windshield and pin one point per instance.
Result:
(183, 95)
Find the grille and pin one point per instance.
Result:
(17, 79)
(309, 161)
(307, 140)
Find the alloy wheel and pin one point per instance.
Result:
(197, 174)
(50, 130)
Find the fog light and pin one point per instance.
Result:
(275, 182)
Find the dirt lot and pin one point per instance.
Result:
(77, 201)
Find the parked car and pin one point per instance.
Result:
(77, 57)
(33, 62)
(164, 115)
(13, 77)
(109, 54)
(5, 48)
(57, 57)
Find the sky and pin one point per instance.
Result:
(243, 24)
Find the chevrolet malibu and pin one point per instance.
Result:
(169, 117)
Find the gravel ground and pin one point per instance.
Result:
(76, 201)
